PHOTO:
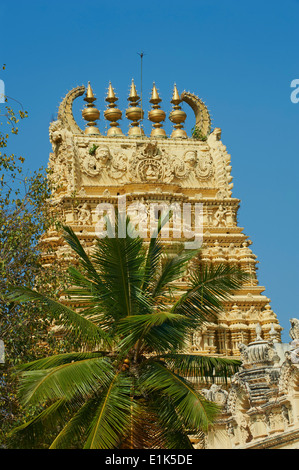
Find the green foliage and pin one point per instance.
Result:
(197, 134)
(134, 387)
(25, 214)
(92, 149)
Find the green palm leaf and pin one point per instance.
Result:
(59, 359)
(84, 328)
(73, 241)
(111, 419)
(208, 288)
(65, 381)
(196, 412)
(120, 261)
(173, 269)
(159, 331)
(132, 385)
(35, 428)
(172, 433)
(76, 427)
(201, 368)
(153, 255)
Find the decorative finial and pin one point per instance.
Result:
(89, 94)
(133, 97)
(258, 331)
(111, 98)
(156, 115)
(273, 333)
(177, 116)
(155, 98)
(90, 113)
(134, 112)
(175, 97)
(112, 113)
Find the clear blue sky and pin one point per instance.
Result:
(239, 57)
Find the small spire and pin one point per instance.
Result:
(90, 113)
(111, 98)
(156, 115)
(177, 116)
(134, 113)
(155, 98)
(112, 114)
(133, 93)
(176, 99)
(89, 94)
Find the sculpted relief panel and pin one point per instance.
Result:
(94, 162)
(145, 162)
(101, 160)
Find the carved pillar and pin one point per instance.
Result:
(230, 217)
(235, 340)
(223, 341)
(210, 216)
(211, 341)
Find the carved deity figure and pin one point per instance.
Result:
(60, 159)
(84, 215)
(197, 341)
(220, 217)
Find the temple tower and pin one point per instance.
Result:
(90, 168)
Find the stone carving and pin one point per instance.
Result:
(230, 429)
(138, 213)
(204, 168)
(259, 351)
(294, 331)
(182, 168)
(168, 171)
(202, 115)
(197, 341)
(60, 161)
(222, 164)
(119, 165)
(245, 431)
(262, 398)
(286, 414)
(150, 165)
(65, 112)
(146, 163)
(230, 217)
(82, 192)
(94, 163)
(258, 330)
(220, 217)
(215, 394)
(293, 354)
(84, 214)
(222, 194)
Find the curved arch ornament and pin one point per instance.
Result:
(65, 111)
(202, 115)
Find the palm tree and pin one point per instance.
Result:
(132, 385)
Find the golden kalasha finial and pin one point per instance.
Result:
(177, 116)
(112, 113)
(90, 113)
(134, 113)
(156, 115)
